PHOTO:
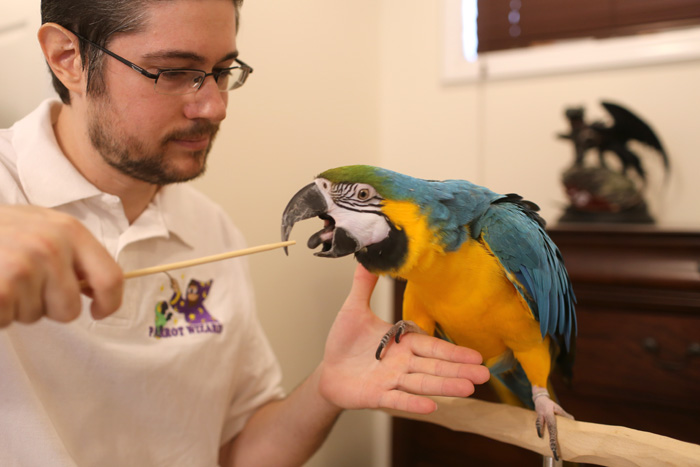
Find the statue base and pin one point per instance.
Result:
(638, 214)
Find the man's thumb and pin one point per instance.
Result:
(363, 284)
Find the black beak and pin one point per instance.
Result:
(307, 203)
(310, 202)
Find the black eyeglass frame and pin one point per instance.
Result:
(154, 76)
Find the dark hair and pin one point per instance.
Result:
(97, 20)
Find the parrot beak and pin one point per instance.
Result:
(310, 202)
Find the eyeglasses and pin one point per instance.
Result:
(178, 81)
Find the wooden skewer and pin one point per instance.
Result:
(194, 262)
(206, 259)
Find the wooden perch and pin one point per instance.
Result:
(580, 441)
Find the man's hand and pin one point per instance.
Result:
(289, 431)
(352, 378)
(44, 255)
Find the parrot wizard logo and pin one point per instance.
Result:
(190, 305)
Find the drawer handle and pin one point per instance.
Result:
(651, 346)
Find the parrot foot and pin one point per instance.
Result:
(396, 331)
(546, 410)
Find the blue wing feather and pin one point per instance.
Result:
(528, 254)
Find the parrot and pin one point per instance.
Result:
(479, 267)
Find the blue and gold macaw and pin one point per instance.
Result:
(480, 270)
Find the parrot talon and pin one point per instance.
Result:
(396, 331)
(382, 345)
(400, 330)
(378, 354)
(547, 410)
(555, 452)
(385, 340)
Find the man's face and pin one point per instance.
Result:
(158, 138)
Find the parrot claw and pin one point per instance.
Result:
(396, 331)
(547, 410)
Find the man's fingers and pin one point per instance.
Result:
(62, 297)
(476, 373)
(101, 275)
(82, 258)
(43, 256)
(417, 383)
(29, 309)
(20, 290)
(430, 347)
(363, 284)
(7, 304)
(30, 264)
(106, 300)
(399, 400)
(61, 293)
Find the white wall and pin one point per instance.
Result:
(24, 80)
(311, 104)
(502, 133)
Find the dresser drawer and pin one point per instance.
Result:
(650, 358)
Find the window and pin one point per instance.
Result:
(531, 37)
(504, 24)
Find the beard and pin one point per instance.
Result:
(135, 158)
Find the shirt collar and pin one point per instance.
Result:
(49, 179)
(172, 201)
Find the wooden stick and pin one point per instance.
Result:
(206, 259)
(579, 441)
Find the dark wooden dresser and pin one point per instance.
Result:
(638, 346)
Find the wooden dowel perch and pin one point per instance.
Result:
(206, 259)
(580, 441)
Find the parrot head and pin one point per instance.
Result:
(389, 221)
(350, 201)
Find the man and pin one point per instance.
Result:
(151, 375)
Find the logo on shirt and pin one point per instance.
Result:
(189, 306)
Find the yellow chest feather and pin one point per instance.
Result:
(466, 291)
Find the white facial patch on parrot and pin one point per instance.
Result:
(366, 228)
(364, 223)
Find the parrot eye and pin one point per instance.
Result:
(363, 193)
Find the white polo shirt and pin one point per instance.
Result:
(166, 379)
